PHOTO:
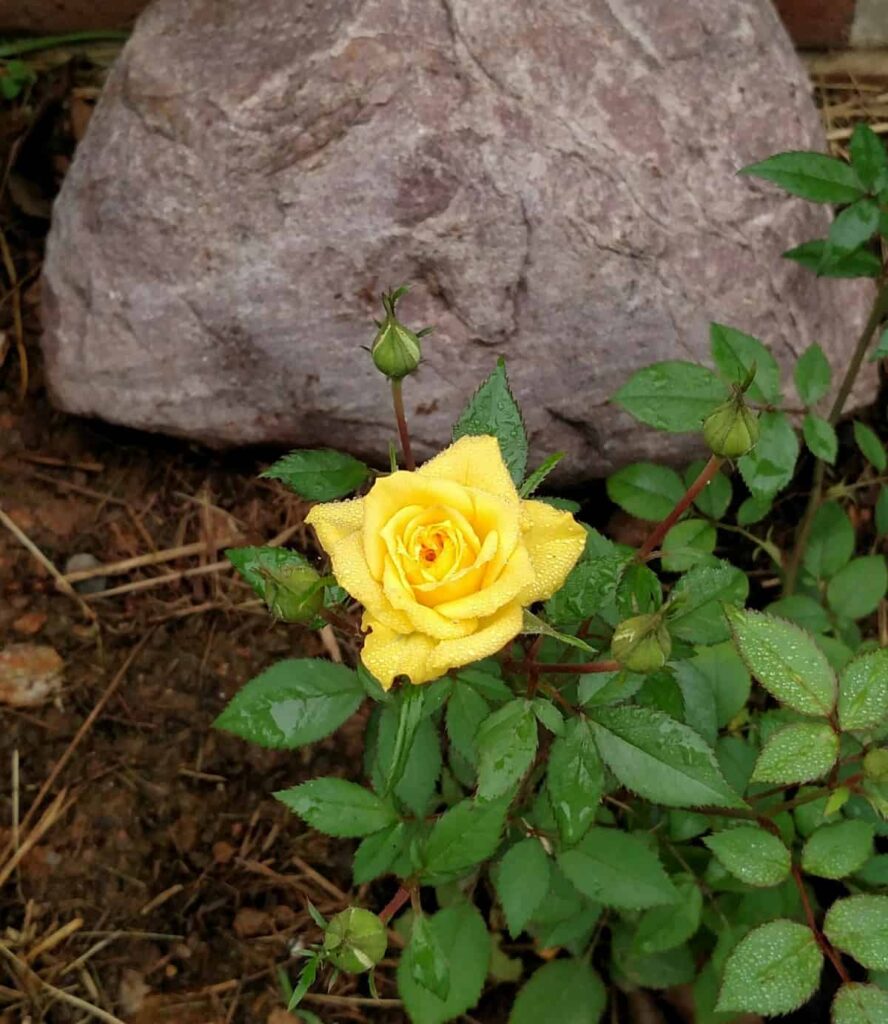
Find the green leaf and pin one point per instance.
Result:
(535, 626)
(798, 753)
(751, 854)
(466, 710)
(618, 870)
(816, 256)
(663, 928)
(856, 590)
(590, 585)
(863, 691)
(660, 759)
(831, 542)
(377, 852)
(493, 410)
(548, 715)
(687, 544)
(726, 676)
(736, 353)
(858, 925)
(638, 592)
(429, 966)
(631, 969)
(464, 836)
(696, 614)
(812, 176)
(306, 979)
(539, 474)
(804, 611)
(462, 940)
(855, 225)
(785, 660)
(522, 881)
(773, 970)
(838, 849)
(820, 437)
(338, 808)
(769, 467)
(882, 512)
(416, 781)
(675, 396)
(881, 349)
(868, 442)
(319, 475)
(753, 510)
(813, 375)
(714, 499)
(410, 705)
(566, 991)
(295, 702)
(860, 1004)
(507, 742)
(868, 158)
(646, 490)
(575, 781)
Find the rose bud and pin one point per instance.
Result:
(875, 765)
(293, 593)
(355, 940)
(642, 643)
(396, 350)
(731, 430)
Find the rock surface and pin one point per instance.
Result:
(557, 180)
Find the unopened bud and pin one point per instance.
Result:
(731, 430)
(355, 940)
(875, 765)
(396, 350)
(293, 593)
(642, 643)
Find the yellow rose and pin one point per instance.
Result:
(444, 559)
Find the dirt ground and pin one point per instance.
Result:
(145, 871)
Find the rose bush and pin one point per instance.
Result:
(444, 559)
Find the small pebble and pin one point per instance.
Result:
(77, 563)
(30, 674)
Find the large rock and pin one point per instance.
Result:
(557, 180)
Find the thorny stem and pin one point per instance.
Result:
(398, 402)
(394, 904)
(877, 313)
(821, 939)
(661, 529)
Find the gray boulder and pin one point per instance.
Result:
(557, 180)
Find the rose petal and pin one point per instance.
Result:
(388, 654)
(426, 620)
(554, 541)
(493, 634)
(516, 577)
(473, 462)
(334, 520)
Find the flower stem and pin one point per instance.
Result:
(398, 402)
(820, 938)
(877, 314)
(394, 904)
(661, 529)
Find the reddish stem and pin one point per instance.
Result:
(661, 529)
(821, 939)
(532, 667)
(394, 904)
(581, 668)
(398, 402)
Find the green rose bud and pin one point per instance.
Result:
(642, 643)
(396, 350)
(875, 765)
(731, 430)
(293, 593)
(355, 940)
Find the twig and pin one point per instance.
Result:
(154, 558)
(317, 877)
(50, 816)
(161, 898)
(581, 668)
(61, 582)
(661, 529)
(53, 940)
(821, 939)
(404, 433)
(18, 329)
(317, 997)
(394, 904)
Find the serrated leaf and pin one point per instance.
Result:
(548, 716)
(863, 691)
(535, 478)
(860, 1004)
(319, 474)
(377, 852)
(338, 808)
(785, 660)
(714, 499)
(574, 781)
(660, 759)
(857, 588)
(415, 785)
(697, 614)
(464, 943)
(522, 881)
(410, 708)
(804, 611)
(871, 446)
(687, 544)
(466, 710)
(630, 968)
(533, 625)
(838, 849)
(820, 437)
(674, 396)
(812, 176)
(858, 925)
(566, 991)
(591, 583)
(429, 967)
(753, 510)
(295, 702)
(868, 158)
(736, 353)
(831, 541)
(646, 490)
(773, 970)
(852, 227)
(618, 870)
(664, 928)
(770, 466)
(464, 836)
(725, 675)
(815, 256)
(493, 410)
(798, 753)
(751, 854)
(812, 375)
(507, 742)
